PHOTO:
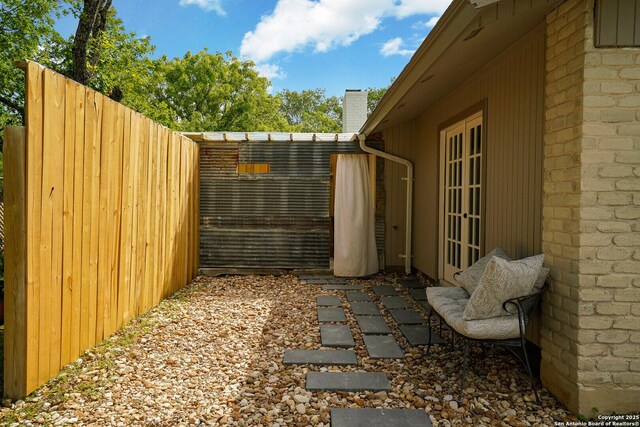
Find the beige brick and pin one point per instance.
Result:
(626, 350)
(635, 309)
(595, 213)
(613, 227)
(613, 253)
(634, 365)
(595, 239)
(635, 338)
(628, 129)
(600, 73)
(614, 199)
(594, 294)
(592, 350)
(598, 184)
(613, 337)
(628, 184)
(617, 59)
(594, 378)
(615, 171)
(612, 364)
(594, 322)
(630, 73)
(616, 115)
(596, 129)
(630, 324)
(629, 101)
(615, 143)
(627, 295)
(617, 87)
(613, 308)
(615, 281)
(628, 212)
(627, 239)
(630, 157)
(627, 267)
(627, 378)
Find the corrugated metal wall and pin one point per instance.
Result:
(278, 219)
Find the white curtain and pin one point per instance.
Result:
(355, 252)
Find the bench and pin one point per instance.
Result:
(507, 327)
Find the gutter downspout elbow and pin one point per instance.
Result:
(409, 207)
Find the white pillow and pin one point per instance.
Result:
(470, 277)
(502, 280)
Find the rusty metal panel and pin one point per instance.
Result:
(278, 219)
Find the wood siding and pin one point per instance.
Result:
(102, 215)
(511, 90)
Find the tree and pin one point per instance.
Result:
(214, 91)
(87, 43)
(311, 111)
(374, 97)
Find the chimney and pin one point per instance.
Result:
(354, 110)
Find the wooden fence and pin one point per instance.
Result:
(101, 224)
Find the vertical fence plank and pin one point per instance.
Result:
(67, 220)
(162, 223)
(15, 292)
(34, 113)
(78, 207)
(143, 161)
(157, 152)
(124, 280)
(135, 171)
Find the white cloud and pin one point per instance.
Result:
(208, 5)
(394, 47)
(325, 24)
(421, 25)
(270, 71)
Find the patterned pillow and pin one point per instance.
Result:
(470, 277)
(542, 277)
(502, 280)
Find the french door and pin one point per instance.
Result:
(462, 207)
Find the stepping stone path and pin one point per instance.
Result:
(383, 347)
(378, 339)
(384, 290)
(395, 302)
(320, 357)
(407, 317)
(367, 417)
(347, 381)
(331, 314)
(419, 335)
(328, 301)
(358, 296)
(365, 307)
(336, 336)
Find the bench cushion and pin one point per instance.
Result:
(450, 303)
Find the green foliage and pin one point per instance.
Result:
(310, 111)
(374, 97)
(214, 91)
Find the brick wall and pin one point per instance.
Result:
(591, 217)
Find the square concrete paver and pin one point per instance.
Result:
(328, 301)
(425, 305)
(340, 287)
(373, 325)
(407, 317)
(320, 357)
(365, 307)
(331, 314)
(384, 290)
(419, 294)
(374, 417)
(383, 347)
(347, 381)
(395, 302)
(358, 296)
(411, 283)
(336, 336)
(419, 335)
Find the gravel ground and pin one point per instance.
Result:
(212, 355)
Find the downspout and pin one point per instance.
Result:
(409, 179)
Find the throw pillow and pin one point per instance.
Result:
(502, 280)
(470, 277)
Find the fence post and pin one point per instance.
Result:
(15, 295)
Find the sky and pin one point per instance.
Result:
(298, 44)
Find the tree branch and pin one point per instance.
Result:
(14, 105)
(91, 25)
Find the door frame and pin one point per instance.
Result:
(479, 109)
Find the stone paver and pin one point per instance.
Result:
(365, 307)
(373, 325)
(331, 314)
(411, 283)
(419, 335)
(339, 287)
(384, 290)
(395, 302)
(320, 357)
(407, 317)
(328, 301)
(419, 294)
(347, 381)
(358, 296)
(336, 336)
(425, 305)
(373, 417)
(383, 347)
